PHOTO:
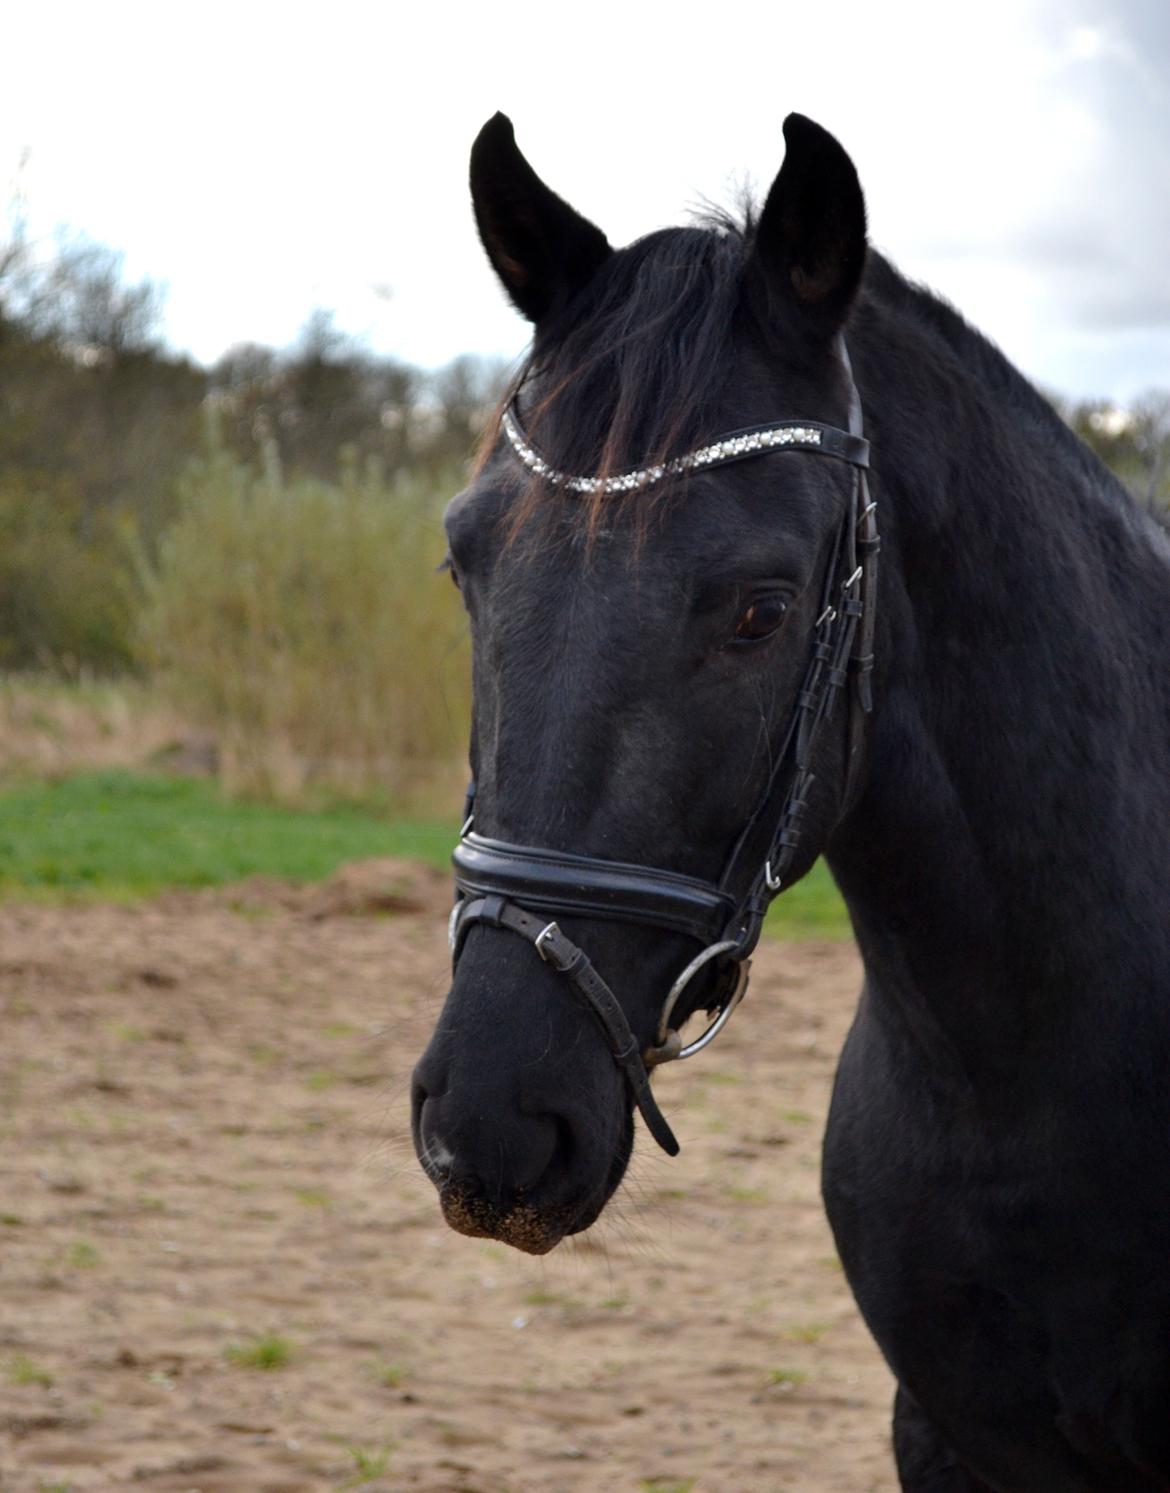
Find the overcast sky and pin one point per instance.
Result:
(264, 160)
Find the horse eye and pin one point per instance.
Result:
(761, 619)
(448, 564)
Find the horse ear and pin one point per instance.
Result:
(810, 240)
(542, 250)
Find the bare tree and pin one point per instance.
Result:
(14, 253)
(1132, 440)
(82, 303)
(1151, 437)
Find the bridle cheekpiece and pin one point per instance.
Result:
(522, 887)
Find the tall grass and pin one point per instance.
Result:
(303, 623)
(50, 726)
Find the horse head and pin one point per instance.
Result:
(664, 589)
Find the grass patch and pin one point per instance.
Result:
(368, 1466)
(747, 1194)
(388, 1375)
(339, 1029)
(82, 1256)
(264, 1353)
(319, 1083)
(542, 1298)
(786, 1378)
(125, 1032)
(118, 835)
(811, 909)
(806, 1332)
(20, 1369)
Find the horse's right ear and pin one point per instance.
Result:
(542, 250)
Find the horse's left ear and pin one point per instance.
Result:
(809, 247)
(542, 249)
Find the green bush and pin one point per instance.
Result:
(303, 622)
(64, 600)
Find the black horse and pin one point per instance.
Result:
(997, 1162)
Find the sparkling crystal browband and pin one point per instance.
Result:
(733, 447)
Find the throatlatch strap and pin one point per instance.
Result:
(564, 955)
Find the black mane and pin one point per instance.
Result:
(978, 355)
(629, 372)
(615, 391)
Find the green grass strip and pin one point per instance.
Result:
(811, 909)
(119, 835)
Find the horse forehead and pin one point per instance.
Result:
(582, 596)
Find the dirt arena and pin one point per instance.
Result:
(206, 1167)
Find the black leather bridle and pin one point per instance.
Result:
(522, 887)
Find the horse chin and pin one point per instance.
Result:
(526, 1228)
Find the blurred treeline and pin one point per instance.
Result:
(99, 422)
(259, 538)
(1133, 441)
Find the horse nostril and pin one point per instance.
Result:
(436, 1156)
(504, 1165)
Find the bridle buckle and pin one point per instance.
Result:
(550, 930)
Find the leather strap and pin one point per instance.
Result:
(562, 882)
(564, 955)
(843, 641)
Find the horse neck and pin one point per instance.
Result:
(1008, 851)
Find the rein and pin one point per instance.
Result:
(520, 887)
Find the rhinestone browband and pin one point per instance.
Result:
(733, 447)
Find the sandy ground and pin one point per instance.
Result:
(203, 1103)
